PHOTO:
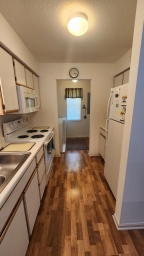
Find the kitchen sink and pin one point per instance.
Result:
(10, 163)
(2, 179)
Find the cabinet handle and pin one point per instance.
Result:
(5, 228)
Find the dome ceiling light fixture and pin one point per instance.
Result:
(75, 81)
(78, 24)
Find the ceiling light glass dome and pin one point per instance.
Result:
(78, 24)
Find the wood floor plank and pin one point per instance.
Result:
(75, 217)
(84, 227)
(74, 251)
(81, 250)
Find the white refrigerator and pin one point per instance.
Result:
(116, 111)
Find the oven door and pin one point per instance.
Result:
(49, 153)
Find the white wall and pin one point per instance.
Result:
(74, 128)
(101, 76)
(9, 38)
(130, 196)
(123, 63)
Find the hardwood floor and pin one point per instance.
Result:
(75, 218)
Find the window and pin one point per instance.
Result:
(74, 109)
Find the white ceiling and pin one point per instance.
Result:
(42, 25)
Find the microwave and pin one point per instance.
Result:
(28, 100)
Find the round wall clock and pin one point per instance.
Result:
(73, 72)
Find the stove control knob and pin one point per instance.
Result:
(14, 124)
(11, 125)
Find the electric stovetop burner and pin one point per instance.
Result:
(44, 131)
(37, 136)
(31, 131)
(23, 136)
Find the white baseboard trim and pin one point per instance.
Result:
(127, 226)
(93, 154)
(78, 136)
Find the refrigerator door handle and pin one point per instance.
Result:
(107, 127)
(108, 106)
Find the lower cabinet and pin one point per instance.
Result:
(18, 215)
(31, 201)
(15, 235)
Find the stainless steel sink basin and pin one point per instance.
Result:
(10, 163)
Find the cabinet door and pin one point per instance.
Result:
(7, 83)
(15, 236)
(126, 77)
(19, 73)
(42, 186)
(118, 80)
(41, 170)
(36, 86)
(32, 201)
(29, 78)
(102, 146)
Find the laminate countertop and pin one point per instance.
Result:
(13, 182)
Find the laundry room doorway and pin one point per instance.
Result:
(73, 98)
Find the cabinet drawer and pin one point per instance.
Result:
(15, 236)
(41, 170)
(103, 132)
(42, 186)
(13, 198)
(39, 155)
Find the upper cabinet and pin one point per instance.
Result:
(29, 79)
(36, 86)
(20, 75)
(122, 78)
(8, 93)
(126, 77)
(13, 73)
(118, 80)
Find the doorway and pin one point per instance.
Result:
(73, 114)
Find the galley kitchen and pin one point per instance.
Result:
(71, 128)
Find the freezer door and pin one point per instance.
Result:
(123, 102)
(113, 154)
(118, 103)
(114, 104)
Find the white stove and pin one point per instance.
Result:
(20, 131)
